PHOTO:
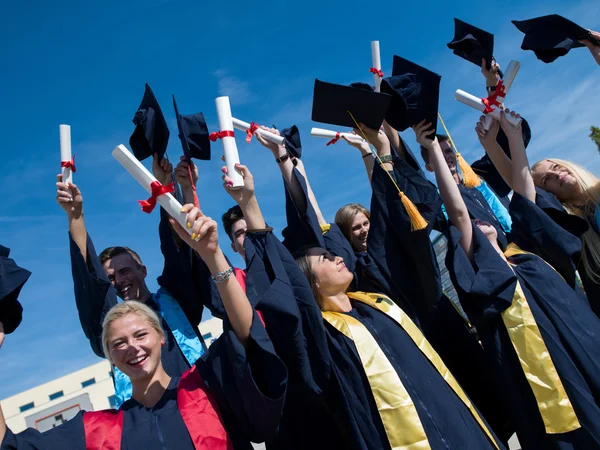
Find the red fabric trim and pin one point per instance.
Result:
(335, 139)
(240, 275)
(69, 164)
(220, 135)
(103, 429)
(157, 190)
(200, 413)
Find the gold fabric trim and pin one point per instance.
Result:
(552, 400)
(387, 306)
(325, 228)
(396, 409)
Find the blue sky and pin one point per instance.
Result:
(85, 64)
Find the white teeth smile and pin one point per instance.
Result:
(137, 360)
(126, 289)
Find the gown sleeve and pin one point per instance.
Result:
(178, 274)
(94, 294)
(69, 435)
(536, 232)
(554, 209)
(405, 258)
(250, 381)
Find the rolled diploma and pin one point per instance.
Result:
(271, 137)
(65, 152)
(229, 146)
(322, 133)
(145, 178)
(510, 74)
(376, 61)
(476, 103)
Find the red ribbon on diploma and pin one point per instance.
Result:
(250, 132)
(492, 100)
(220, 135)
(335, 139)
(376, 71)
(69, 164)
(157, 190)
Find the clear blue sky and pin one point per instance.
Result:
(85, 64)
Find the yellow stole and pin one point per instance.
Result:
(398, 413)
(552, 400)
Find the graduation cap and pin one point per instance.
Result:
(151, 134)
(552, 36)
(193, 134)
(415, 94)
(12, 279)
(361, 85)
(292, 142)
(336, 104)
(486, 169)
(472, 43)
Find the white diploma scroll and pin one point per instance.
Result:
(476, 103)
(271, 137)
(510, 74)
(229, 146)
(65, 152)
(137, 170)
(376, 61)
(328, 134)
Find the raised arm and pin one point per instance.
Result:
(69, 197)
(522, 181)
(594, 49)
(491, 76)
(367, 155)
(245, 198)
(455, 205)
(489, 143)
(206, 244)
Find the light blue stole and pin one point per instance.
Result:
(183, 332)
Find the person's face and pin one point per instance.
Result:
(557, 180)
(238, 234)
(332, 275)
(360, 232)
(135, 347)
(449, 156)
(486, 228)
(127, 276)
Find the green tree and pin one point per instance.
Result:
(595, 136)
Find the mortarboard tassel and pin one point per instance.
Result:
(470, 178)
(417, 222)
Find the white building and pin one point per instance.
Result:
(50, 404)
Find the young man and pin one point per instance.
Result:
(119, 272)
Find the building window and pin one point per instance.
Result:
(56, 395)
(89, 382)
(207, 336)
(26, 407)
(112, 401)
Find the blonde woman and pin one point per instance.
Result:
(220, 403)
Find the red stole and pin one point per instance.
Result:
(104, 429)
(240, 275)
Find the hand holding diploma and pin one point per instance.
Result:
(69, 197)
(244, 195)
(162, 170)
(204, 237)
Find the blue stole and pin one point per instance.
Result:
(183, 332)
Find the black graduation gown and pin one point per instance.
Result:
(248, 384)
(95, 295)
(569, 329)
(343, 398)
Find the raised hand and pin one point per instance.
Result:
(377, 138)
(491, 76)
(204, 238)
(246, 193)
(182, 174)
(2, 335)
(162, 170)
(69, 197)
(488, 137)
(362, 145)
(511, 131)
(594, 49)
(277, 150)
(422, 132)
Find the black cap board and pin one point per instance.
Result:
(472, 43)
(151, 134)
(193, 134)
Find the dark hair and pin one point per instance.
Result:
(425, 153)
(111, 252)
(303, 260)
(231, 216)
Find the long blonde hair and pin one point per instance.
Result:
(345, 216)
(121, 310)
(590, 186)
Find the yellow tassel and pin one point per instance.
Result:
(470, 178)
(417, 222)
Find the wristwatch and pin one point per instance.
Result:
(222, 277)
(491, 89)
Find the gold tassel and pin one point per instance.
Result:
(417, 222)
(470, 178)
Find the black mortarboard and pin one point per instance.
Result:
(332, 104)
(292, 141)
(151, 134)
(552, 36)
(486, 169)
(361, 85)
(415, 94)
(472, 43)
(12, 279)
(193, 134)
